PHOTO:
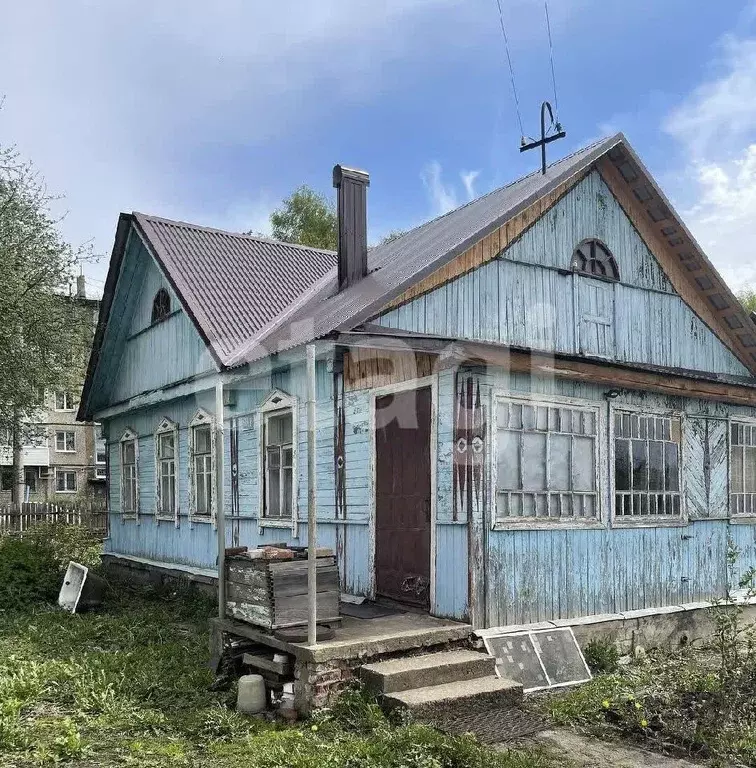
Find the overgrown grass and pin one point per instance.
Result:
(697, 701)
(672, 702)
(130, 687)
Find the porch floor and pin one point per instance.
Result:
(357, 638)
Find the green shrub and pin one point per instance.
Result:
(32, 564)
(602, 656)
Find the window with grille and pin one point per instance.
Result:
(593, 258)
(646, 466)
(101, 454)
(546, 462)
(202, 470)
(165, 459)
(742, 470)
(129, 477)
(161, 306)
(279, 464)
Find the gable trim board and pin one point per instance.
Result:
(489, 247)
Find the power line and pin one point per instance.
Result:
(551, 55)
(511, 69)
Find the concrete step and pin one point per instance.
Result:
(429, 669)
(456, 699)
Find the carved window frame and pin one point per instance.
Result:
(129, 435)
(202, 418)
(167, 427)
(275, 404)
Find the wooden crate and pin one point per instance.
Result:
(273, 593)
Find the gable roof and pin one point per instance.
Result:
(250, 297)
(230, 284)
(395, 266)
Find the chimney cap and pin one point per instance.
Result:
(341, 172)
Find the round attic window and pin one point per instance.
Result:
(592, 257)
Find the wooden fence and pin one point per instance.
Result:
(93, 517)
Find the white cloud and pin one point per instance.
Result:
(468, 181)
(443, 197)
(149, 106)
(715, 127)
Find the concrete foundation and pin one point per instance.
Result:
(152, 574)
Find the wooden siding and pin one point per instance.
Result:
(136, 356)
(369, 368)
(193, 544)
(527, 298)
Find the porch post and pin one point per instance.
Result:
(220, 514)
(312, 533)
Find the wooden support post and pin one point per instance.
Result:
(220, 514)
(312, 532)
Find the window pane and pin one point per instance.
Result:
(202, 439)
(656, 465)
(559, 462)
(622, 465)
(749, 471)
(508, 467)
(672, 467)
(280, 429)
(165, 446)
(640, 465)
(736, 466)
(287, 492)
(583, 464)
(129, 452)
(201, 493)
(533, 461)
(274, 491)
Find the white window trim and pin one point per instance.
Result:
(167, 426)
(536, 524)
(65, 472)
(651, 521)
(734, 518)
(129, 434)
(202, 418)
(65, 432)
(68, 397)
(276, 402)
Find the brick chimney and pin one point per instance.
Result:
(352, 213)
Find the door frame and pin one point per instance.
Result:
(390, 389)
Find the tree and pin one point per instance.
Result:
(393, 235)
(46, 334)
(747, 297)
(307, 218)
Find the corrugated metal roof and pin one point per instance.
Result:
(233, 285)
(396, 265)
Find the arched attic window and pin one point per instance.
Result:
(593, 258)
(161, 306)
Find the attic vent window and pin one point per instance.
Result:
(161, 306)
(593, 258)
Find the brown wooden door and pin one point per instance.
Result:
(403, 496)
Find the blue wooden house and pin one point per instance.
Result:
(541, 405)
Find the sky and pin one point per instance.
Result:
(213, 113)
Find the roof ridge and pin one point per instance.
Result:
(242, 235)
(586, 148)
